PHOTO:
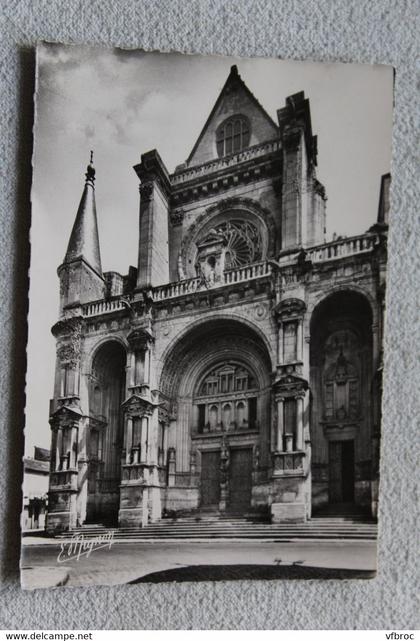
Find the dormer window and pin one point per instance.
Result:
(232, 136)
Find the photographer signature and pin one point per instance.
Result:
(79, 546)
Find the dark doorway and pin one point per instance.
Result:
(210, 479)
(240, 479)
(341, 471)
(105, 434)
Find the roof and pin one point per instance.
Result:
(84, 238)
(32, 465)
(234, 84)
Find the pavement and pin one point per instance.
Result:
(157, 561)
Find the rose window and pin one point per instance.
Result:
(242, 241)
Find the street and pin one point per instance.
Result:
(127, 562)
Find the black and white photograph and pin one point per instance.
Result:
(206, 318)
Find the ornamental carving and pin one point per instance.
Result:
(68, 327)
(241, 240)
(290, 386)
(163, 415)
(261, 311)
(341, 377)
(69, 335)
(69, 353)
(140, 339)
(252, 211)
(64, 418)
(176, 217)
(146, 191)
(137, 406)
(290, 308)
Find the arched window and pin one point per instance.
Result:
(227, 416)
(226, 399)
(232, 136)
(213, 416)
(241, 414)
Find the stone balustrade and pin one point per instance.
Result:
(223, 163)
(248, 272)
(341, 248)
(178, 288)
(323, 253)
(103, 307)
(193, 285)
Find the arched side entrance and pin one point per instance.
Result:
(216, 382)
(341, 385)
(105, 434)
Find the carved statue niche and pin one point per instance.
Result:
(140, 339)
(224, 461)
(341, 380)
(210, 263)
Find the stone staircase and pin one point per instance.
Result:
(355, 527)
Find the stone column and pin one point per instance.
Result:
(147, 366)
(76, 382)
(62, 381)
(299, 340)
(132, 376)
(289, 442)
(280, 350)
(144, 439)
(171, 467)
(129, 440)
(145, 505)
(73, 447)
(59, 442)
(299, 426)
(280, 425)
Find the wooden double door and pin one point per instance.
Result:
(240, 479)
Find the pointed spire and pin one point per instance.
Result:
(84, 238)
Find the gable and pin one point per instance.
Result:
(235, 99)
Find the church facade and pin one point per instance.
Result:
(237, 369)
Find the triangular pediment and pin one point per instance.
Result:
(290, 381)
(235, 99)
(66, 413)
(136, 405)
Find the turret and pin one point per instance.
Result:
(303, 196)
(153, 259)
(81, 278)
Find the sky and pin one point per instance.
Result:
(124, 103)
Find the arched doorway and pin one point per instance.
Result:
(105, 435)
(341, 383)
(216, 381)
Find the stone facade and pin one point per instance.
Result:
(238, 368)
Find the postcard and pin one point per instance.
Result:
(207, 290)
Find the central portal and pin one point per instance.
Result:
(216, 388)
(240, 479)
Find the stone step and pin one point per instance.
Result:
(267, 528)
(203, 525)
(314, 529)
(284, 536)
